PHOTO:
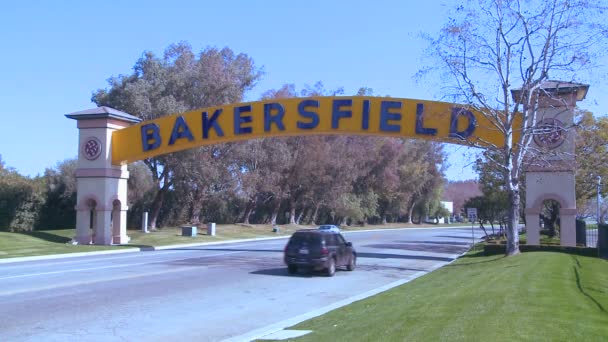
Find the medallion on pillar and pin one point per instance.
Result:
(91, 148)
(549, 133)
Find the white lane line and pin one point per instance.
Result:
(99, 280)
(159, 253)
(90, 259)
(104, 267)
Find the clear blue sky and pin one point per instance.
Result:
(56, 53)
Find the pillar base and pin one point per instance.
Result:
(120, 239)
(83, 239)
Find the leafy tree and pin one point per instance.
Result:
(177, 82)
(550, 216)
(591, 156)
(202, 173)
(20, 200)
(58, 210)
(490, 46)
(491, 209)
(458, 192)
(426, 189)
(141, 191)
(260, 166)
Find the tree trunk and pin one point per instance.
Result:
(483, 228)
(292, 212)
(248, 211)
(275, 213)
(313, 221)
(344, 221)
(383, 219)
(302, 214)
(411, 212)
(156, 206)
(197, 206)
(513, 223)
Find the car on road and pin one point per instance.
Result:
(329, 227)
(319, 250)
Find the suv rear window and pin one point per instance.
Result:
(310, 238)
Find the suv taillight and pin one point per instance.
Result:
(324, 250)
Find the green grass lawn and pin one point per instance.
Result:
(42, 243)
(537, 296)
(57, 241)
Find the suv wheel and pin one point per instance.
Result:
(331, 267)
(292, 269)
(352, 263)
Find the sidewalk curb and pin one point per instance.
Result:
(198, 244)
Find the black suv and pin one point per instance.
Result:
(319, 250)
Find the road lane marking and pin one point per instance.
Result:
(100, 280)
(100, 258)
(104, 267)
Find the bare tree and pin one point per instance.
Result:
(490, 46)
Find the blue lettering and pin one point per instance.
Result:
(277, 118)
(420, 129)
(180, 130)
(314, 117)
(386, 115)
(209, 123)
(456, 114)
(365, 119)
(150, 132)
(239, 120)
(337, 113)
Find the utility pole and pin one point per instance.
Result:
(599, 185)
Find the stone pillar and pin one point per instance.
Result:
(532, 226)
(550, 170)
(99, 183)
(84, 234)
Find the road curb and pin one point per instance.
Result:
(198, 244)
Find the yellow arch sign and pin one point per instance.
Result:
(358, 115)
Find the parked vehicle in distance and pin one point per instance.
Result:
(329, 227)
(319, 250)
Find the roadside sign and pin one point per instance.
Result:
(472, 214)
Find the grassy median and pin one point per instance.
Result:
(536, 296)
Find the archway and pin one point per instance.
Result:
(115, 219)
(110, 139)
(550, 218)
(86, 212)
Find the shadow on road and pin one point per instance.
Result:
(282, 272)
(445, 249)
(401, 256)
(452, 243)
(456, 237)
(143, 248)
(307, 273)
(226, 249)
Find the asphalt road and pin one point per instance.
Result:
(206, 293)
